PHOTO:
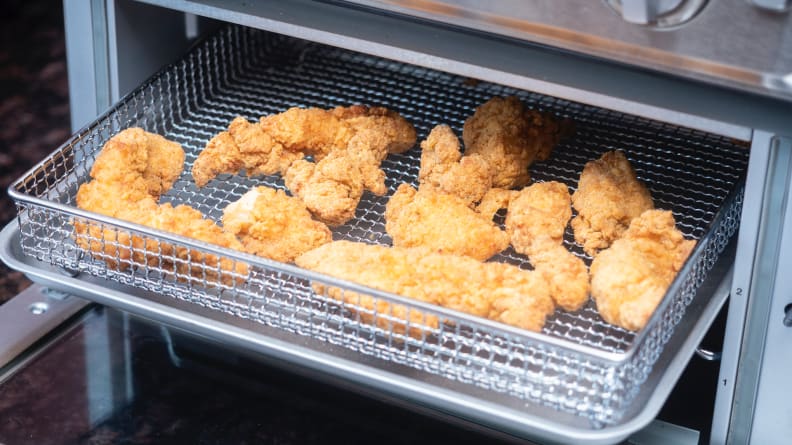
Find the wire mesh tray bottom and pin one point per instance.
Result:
(578, 364)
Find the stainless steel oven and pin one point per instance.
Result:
(699, 92)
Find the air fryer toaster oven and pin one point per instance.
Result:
(708, 131)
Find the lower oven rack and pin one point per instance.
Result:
(587, 372)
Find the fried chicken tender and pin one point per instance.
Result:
(348, 145)
(120, 250)
(630, 278)
(494, 200)
(271, 145)
(317, 132)
(135, 157)
(444, 169)
(129, 174)
(535, 222)
(565, 274)
(497, 291)
(123, 200)
(188, 222)
(331, 188)
(274, 225)
(538, 214)
(607, 199)
(244, 146)
(441, 223)
(510, 138)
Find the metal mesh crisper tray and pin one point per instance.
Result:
(578, 364)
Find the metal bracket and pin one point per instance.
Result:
(30, 315)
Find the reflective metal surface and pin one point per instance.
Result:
(729, 42)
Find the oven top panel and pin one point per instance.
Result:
(734, 43)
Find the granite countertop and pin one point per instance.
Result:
(34, 101)
(122, 380)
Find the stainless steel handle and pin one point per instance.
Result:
(657, 13)
(644, 12)
(772, 5)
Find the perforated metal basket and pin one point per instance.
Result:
(578, 364)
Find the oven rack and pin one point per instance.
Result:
(578, 365)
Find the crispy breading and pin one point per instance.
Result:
(494, 200)
(134, 154)
(122, 200)
(331, 188)
(497, 291)
(536, 221)
(566, 275)
(129, 174)
(317, 132)
(274, 225)
(188, 222)
(631, 277)
(132, 170)
(444, 169)
(381, 130)
(347, 144)
(607, 199)
(539, 212)
(122, 249)
(510, 138)
(244, 146)
(442, 223)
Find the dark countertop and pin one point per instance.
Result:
(117, 379)
(34, 102)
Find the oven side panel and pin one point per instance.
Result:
(752, 404)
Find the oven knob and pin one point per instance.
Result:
(657, 13)
(772, 5)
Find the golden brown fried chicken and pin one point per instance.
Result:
(566, 275)
(132, 170)
(130, 173)
(188, 222)
(630, 278)
(494, 200)
(273, 144)
(539, 213)
(536, 220)
(441, 223)
(331, 188)
(244, 146)
(123, 200)
(444, 169)
(497, 291)
(317, 132)
(141, 159)
(510, 138)
(274, 225)
(120, 250)
(607, 199)
(381, 130)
